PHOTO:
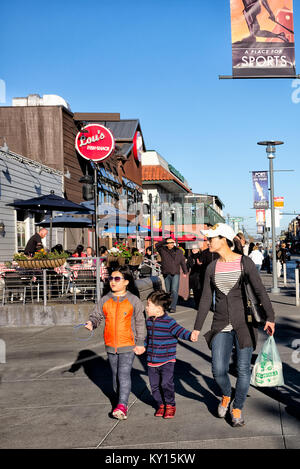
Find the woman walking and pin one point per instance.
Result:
(231, 326)
(124, 333)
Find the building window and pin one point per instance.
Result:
(21, 235)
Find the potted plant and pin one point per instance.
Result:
(41, 260)
(120, 253)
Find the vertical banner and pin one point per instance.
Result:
(260, 189)
(260, 216)
(262, 33)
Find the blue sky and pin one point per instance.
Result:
(159, 61)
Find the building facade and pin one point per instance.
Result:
(176, 210)
(43, 130)
(22, 178)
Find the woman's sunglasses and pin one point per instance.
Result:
(115, 279)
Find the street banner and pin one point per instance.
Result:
(278, 202)
(262, 33)
(277, 218)
(260, 189)
(260, 217)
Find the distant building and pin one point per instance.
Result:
(176, 209)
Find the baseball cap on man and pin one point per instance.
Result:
(220, 229)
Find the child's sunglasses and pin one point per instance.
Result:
(115, 279)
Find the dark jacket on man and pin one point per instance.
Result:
(231, 308)
(171, 259)
(32, 244)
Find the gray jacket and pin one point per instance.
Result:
(231, 308)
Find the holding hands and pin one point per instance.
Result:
(195, 335)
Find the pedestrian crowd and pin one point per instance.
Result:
(217, 276)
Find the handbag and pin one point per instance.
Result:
(267, 370)
(255, 312)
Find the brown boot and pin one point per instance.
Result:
(170, 411)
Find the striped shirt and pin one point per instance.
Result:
(226, 276)
(163, 333)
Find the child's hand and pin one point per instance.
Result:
(89, 325)
(139, 349)
(195, 335)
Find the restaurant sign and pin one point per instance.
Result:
(95, 142)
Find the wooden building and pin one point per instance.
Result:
(46, 134)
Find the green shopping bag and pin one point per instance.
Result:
(267, 370)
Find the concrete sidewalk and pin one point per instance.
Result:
(55, 390)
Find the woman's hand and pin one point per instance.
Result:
(89, 325)
(139, 349)
(269, 327)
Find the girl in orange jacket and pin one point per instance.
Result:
(124, 333)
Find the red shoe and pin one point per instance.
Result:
(160, 411)
(120, 412)
(170, 411)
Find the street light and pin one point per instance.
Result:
(271, 150)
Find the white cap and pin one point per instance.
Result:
(220, 229)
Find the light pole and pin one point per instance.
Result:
(271, 150)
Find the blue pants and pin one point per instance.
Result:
(162, 383)
(172, 286)
(222, 346)
(121, 365)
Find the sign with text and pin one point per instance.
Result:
(262, 34)
(95, 142)
(260, 189)
(278, 202)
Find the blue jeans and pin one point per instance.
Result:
(222, 346)
(172, 286)
(121, 365)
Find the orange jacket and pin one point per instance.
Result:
(124, 321)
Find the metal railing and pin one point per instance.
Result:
(76, 281)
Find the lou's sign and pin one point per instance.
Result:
(95, 142)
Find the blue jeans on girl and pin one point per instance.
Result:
(121, 365)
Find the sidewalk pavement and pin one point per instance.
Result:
(55, 390)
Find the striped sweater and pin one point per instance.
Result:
(163, 333)
(226, 276)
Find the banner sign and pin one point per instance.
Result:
(261, 189)
(260, 216)
(262, 33)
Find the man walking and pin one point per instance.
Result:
(171, 260)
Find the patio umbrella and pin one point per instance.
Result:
(66, 221)
(50, 202)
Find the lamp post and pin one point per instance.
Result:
(151, 233)
(271, 150)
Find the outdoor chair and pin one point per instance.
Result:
(86, 283)
(15, 286)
